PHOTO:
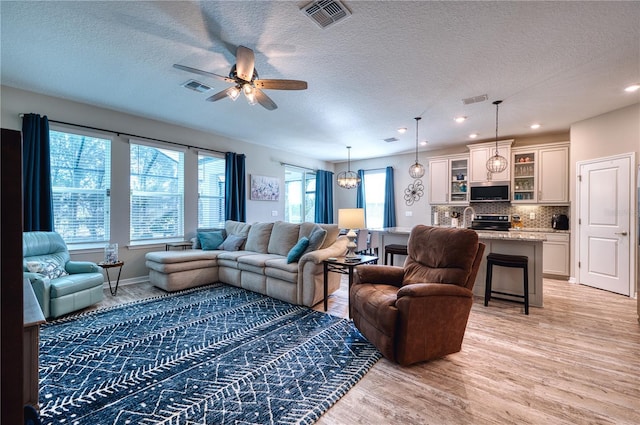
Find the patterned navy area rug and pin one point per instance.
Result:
(211, 355)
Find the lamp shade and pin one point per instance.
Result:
(351, 218)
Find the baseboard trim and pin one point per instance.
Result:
(125, 282)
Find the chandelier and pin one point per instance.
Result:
(348, 179)
(497, 163)
(416, 170)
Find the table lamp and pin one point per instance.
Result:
(352, 219)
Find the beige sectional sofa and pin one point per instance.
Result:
(260, 264)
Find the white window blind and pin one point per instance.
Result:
(81, 181)
(374, 180)
(157, 192)
(299, 195)
(211, 191)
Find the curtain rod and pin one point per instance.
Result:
(298, 166)
(119, 133)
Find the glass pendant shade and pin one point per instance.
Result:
(416, 170)
(497, 163)
(348, 179)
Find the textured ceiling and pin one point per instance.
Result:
(555, 63)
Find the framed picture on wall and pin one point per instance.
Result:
(265, 188)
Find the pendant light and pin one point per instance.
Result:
(416, 170)
(497, 163)
(348, 179)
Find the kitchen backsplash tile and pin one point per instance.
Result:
(542, 213)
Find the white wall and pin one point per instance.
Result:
(259, 160)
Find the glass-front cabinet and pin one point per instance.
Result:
(459, 173)
(449, 180)
(524, 176)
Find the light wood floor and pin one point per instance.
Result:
(574, 361)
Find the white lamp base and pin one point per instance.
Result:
(351, 246)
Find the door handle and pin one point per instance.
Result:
(621, 233)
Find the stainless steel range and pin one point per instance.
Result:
(499, 222)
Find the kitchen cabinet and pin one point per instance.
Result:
(448, 180)
(555, 254)
(540, 174)
(479, 154)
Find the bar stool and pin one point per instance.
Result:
(394, 249)
(504, 260)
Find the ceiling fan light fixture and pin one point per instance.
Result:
(348, 179)
(416, 170)
(233, 93)
(497, 163)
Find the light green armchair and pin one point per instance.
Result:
(61, 285)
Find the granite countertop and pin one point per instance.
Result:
(516, 236)
(539, 230)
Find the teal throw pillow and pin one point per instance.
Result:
(210, 240)
(316, 239)
(232, 243)
(298, 249)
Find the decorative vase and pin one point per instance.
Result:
(111, 253)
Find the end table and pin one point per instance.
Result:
(343, 266)
(106, 267)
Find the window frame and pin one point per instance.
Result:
(222, 197)
(371, 208)
(306, 205)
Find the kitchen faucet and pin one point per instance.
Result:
(464, 216)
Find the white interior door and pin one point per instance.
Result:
(604, 231)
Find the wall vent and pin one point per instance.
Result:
(326, 12)
(196, 86)
(475, 99)
(391, 139)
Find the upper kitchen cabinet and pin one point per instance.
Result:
(540, 174)
(448, 180)
(480, 153)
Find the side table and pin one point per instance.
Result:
(342, 266)
(106, 267)
(184, 245)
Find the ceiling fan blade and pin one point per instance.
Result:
(220, 95)
(201, 72)
(265, 100)
(245, 60)
(281, 84)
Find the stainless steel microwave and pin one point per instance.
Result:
(490, 192)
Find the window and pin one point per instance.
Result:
(81, 181)
(374, 197)
(299, 195)
(157, 193)
(211, 191)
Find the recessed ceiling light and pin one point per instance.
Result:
(632, 88)
(423, 143)
(473, 135)
(460, 119)
(402, 130)
(535, 126)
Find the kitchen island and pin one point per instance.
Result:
(504, 279)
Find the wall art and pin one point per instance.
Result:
(265, 188)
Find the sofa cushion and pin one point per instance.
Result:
(332, 234)
(298, 249)
(283, 237)
(210, 240)
(279, 268)
(316, 239)
(49, 268)
(237, 228)
(181, 256)
(232, 243)
(258, 237)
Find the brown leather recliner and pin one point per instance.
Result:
(419, 311)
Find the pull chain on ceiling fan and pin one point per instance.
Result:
(246, 80)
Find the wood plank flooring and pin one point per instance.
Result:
(574, 361)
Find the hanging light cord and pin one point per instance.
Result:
(497, 103)
(417, 120)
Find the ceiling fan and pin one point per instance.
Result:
(244, 78)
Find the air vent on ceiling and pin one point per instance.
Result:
(475, 99)
(326, 12)
(391, 139)
(196, 86)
